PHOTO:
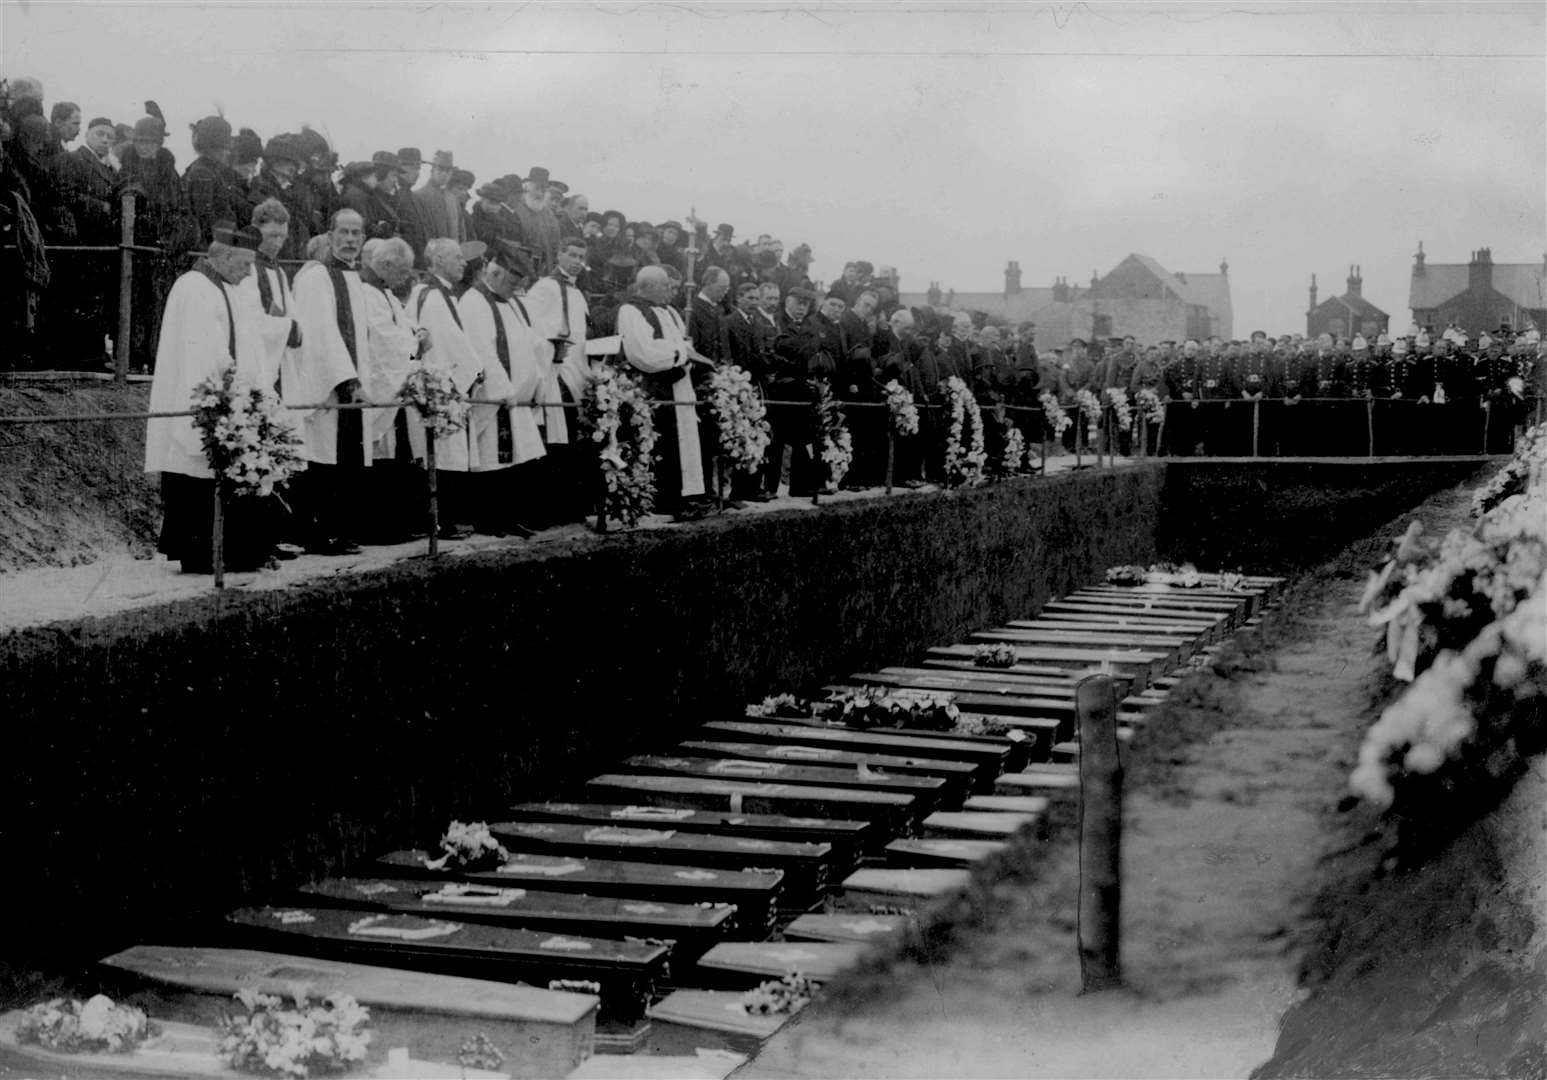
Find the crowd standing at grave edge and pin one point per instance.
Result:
(331, 283)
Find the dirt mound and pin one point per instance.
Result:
(73, 493)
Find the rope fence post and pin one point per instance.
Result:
(1256, 423)
(1079, 435)
(218, 536)
(1101, 829)
(1487, 420)
(429, 473)
(891, 457)
(125, 292)
(1369, 426)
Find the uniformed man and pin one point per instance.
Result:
(799, 362)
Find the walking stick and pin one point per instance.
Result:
(429, 469)
(218, 538)
(1487, 419)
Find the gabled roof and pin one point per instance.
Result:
(1170, 280)
(1358, 304)
(1524, 283)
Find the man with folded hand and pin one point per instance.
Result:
(656, 346)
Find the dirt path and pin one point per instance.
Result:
(1221, 849)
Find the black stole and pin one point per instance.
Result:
(351, 422)
(209, 271)
(504, 436)
(445, 293)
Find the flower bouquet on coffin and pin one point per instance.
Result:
(966, 459)
(310, 1039)
(779, 997)
(468, 847)
(871, 707)
(787, 706)
(70, 1026)
(999, 654)
(1126, 575)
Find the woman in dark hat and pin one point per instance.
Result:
(215, 192)
(161, 221)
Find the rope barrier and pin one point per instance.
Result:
(64, 418)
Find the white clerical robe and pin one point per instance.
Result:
(202, 322)
(324, 359)
(654, 355)
(547, 301)
(523, 380)
(275, 329)
(394, 346)
(451, 353)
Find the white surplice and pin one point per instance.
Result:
(523, 381)
(312, 373)
(197, 334)
(394, 346)
(654, 355)
(451, 353)
(546, 302)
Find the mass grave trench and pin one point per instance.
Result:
(184, 759)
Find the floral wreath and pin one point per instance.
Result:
(1087, 403)
(1058, 421)
(1015, 450)
(837, 445)
(441, 405)
(326, 1036)
(618, 414)
(963, 465)
(250, 444)
(740, 417)
(1122, 412)
(1150, 405)
(904, 413)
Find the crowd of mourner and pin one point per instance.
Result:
(330, 285)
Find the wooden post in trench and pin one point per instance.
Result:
(1101, 828)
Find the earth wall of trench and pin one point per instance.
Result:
(168, 762)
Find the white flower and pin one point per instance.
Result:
(964, 465)
(904, 412)
(1057, 420)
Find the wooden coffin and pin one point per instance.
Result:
(956, 774)
(927, 789)
(543, 1033)
(626, 971)
(687, 1021)
(977, 824)
(859, 929)
(805, 866)
(941, 852)
(747, 963)
(990, 760)
(902, 888)
(754, 893)
(846, 836)
(694, 928)
(889, 810)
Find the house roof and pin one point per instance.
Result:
(1359, 304)
(1211, 291)
(1015, 308)
(1170, 280)
(1524, 283)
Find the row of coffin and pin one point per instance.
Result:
(634, 918)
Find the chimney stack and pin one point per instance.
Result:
(1313, 295)
(1355, 282)
(1418, 261)
(1479, 272)
(1012, 278)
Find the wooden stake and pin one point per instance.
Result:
(1101, 827)
(891, 452)
(125, 292)
(1369, 425)
(429, 468)
(218, 538)
(1256, 423)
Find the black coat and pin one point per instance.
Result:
(215, 193)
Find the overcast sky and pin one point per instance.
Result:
(1289, 138)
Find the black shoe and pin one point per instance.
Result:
(735, 504)
(454, 532)
(286, 552)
